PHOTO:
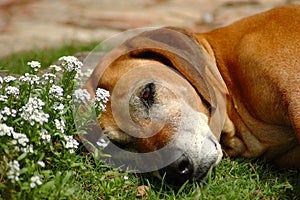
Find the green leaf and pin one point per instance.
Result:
(22, 156)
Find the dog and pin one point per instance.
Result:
(234, 90)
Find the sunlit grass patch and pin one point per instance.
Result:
(17, 63)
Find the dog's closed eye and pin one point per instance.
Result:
(147, 95)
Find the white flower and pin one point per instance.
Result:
(48, 78)
(125, 177)
(35, 103)
(102, 95)
(55, 68)
(60, 125)
(6, 130)
(32, 111)
(56, 91)
(1, 82)
(26, 149)
(20, 138)
(70, 63)
(3, 98)
(36, 116)
(8, 79)
(41, 163)
(45, 136)
(30, 78)
(14, 171)
(58, 106)
(101, 98)
(102, 143)
(35, 65)
(12, 90)
(6, 112)
(84, 74)
(82, 96)
(71, 143)
(35, 181)
(102, 107)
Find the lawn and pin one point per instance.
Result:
(34, 167)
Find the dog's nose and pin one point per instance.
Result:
(179, 171)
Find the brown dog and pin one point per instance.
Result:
(238, 86)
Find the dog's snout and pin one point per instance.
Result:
(179, 171)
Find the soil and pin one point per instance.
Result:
(29, 24)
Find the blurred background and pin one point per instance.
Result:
(29, 24)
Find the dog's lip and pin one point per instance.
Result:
(218, 148)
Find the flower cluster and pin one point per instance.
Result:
(102, 143)
(21, 143)
(33, 112)
(35, 65)
(102, 97)
(45, 136)
(60, 125)
(84, 74)
(19, 140)
(7, 112)
(31, 79)
(70, 63)
(56, 91)
(82, 96)
(98, 103)
(6, 130)
(9, 79)
(48, 78)
(14, 171)
(12, 91)
(55, 68)
(57, 106)
(35, 181)
(36, 121)
(71, 143)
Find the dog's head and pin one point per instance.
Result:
(167, 103)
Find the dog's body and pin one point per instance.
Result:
(259, 61)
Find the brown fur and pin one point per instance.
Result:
(258, 59)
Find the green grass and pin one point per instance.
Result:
(16, 63)
(81, 176)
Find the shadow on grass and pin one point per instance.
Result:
(234, 179)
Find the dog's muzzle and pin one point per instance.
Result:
(193, 164)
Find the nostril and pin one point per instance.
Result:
(179, 171)
(184, 166)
